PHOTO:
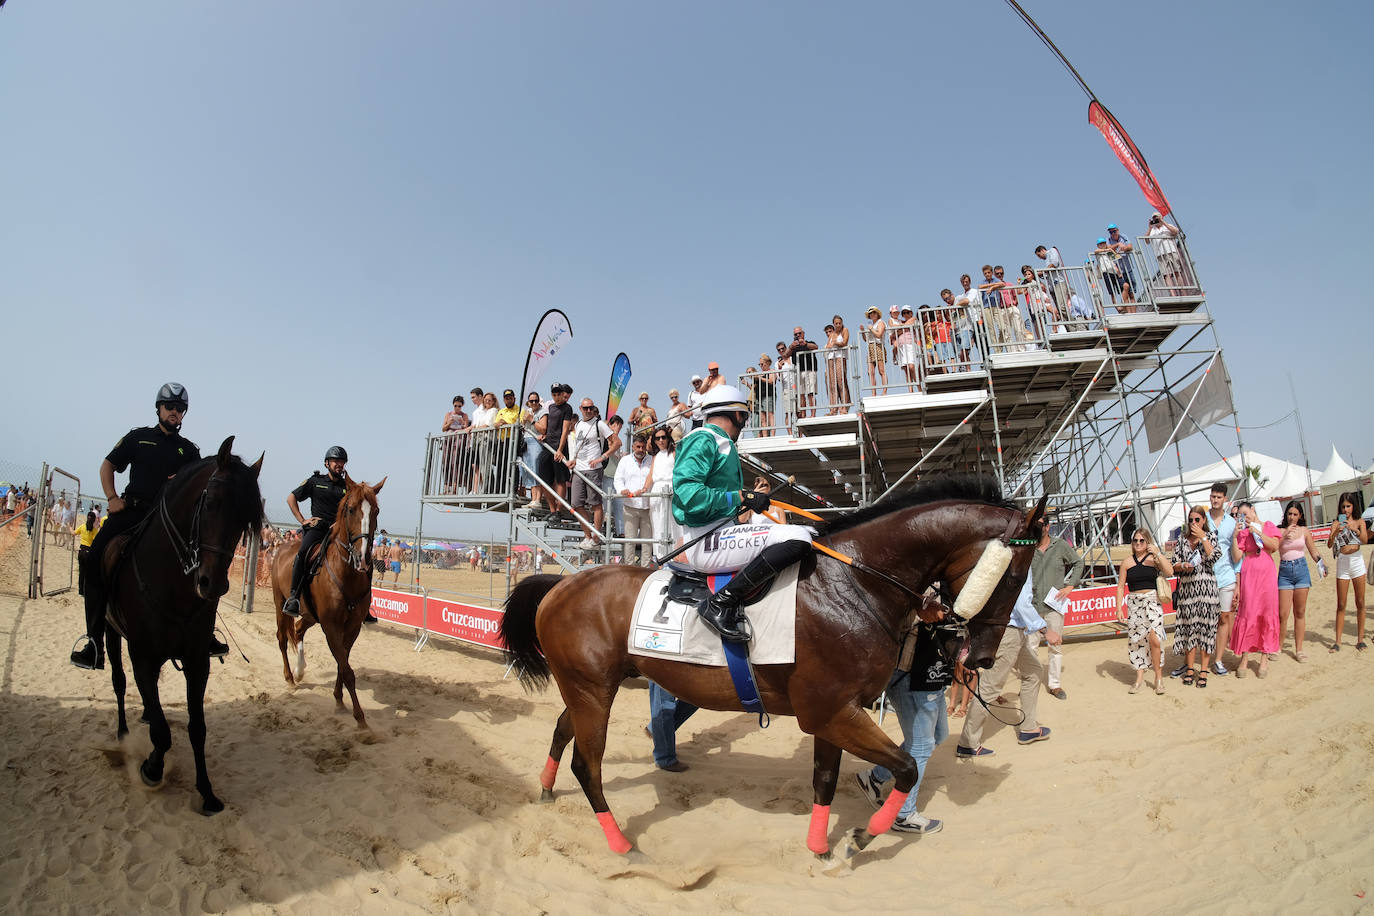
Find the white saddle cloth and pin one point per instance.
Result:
(676, 632)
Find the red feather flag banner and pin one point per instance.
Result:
(1129, 154)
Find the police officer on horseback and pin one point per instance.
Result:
(152, 454)
(707, 488)
(324, 492)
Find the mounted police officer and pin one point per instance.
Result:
(151, 454)
(707, 484)
(324, 492)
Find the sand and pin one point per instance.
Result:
(1249, 796)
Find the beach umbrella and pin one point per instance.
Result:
(521, 548)
(434, 545)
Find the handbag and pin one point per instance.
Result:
(1163, 591)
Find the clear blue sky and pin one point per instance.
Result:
(327, 218)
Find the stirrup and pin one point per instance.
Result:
(218, 649)
(81, 658)
(291, 607)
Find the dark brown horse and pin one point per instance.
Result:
(164, 594)
(849, 624)
(339, 596)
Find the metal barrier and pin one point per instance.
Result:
(472, 462)
(1166, 267)
(56, 538)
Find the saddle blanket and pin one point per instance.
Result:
(662, 628)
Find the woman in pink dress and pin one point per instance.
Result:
(1257, 619)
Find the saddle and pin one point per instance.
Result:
(691, 586)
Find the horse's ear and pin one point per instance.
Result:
(1037, 515)
(349, 482)
(224, 451)
(257, 465)
(377, 487)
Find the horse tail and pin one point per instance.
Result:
(517, 629)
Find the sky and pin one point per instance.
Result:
(326, 219)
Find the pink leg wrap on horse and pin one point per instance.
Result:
(614, 838)
(550, 771)
(820, 825)
(881, 821)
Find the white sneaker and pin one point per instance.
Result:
(917, 824)
(586, 543)
(871, 788)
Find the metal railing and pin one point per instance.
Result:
(472, 462)
(1166, 267)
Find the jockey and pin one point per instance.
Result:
(707, 485)
(151, 454)
(325, 492)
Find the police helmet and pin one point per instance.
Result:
(173, 393)
(336, 453)
(724, 399)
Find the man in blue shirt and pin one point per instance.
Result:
(1018, 649)
(1123, 247)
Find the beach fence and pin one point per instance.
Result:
(17, 526)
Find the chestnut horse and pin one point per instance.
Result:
(339, 596)
(849, 625)
(164, 593)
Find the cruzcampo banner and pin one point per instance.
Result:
(620, 379)
(1130, 156)
(551, 335)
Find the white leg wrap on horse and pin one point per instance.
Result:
(984, 578)
(300, 659)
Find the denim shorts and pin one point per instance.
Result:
(1294, 574)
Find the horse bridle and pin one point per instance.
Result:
(188, 548)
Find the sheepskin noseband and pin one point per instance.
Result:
(981, 582)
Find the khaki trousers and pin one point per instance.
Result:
(1018, 650)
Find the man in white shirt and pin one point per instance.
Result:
(631, 474)
(1054, 273)
(694, 401)
(588, 460)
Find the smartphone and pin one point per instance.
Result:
(1342, 518)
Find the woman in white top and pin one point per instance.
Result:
(481, 444)
(659, 484)
(1348, 533)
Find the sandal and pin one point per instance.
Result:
(1360, 646)
(1202, 679)
(1187, 677)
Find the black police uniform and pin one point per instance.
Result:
(324, 494)
(152, 456)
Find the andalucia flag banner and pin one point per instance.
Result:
(620, 379)
(551, 335)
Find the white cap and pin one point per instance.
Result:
(723, 399)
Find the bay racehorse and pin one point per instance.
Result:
(165, 590)
(339, 596)
(956, 531)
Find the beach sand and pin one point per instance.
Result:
(1249, 796)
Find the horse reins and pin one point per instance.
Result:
(188, 548)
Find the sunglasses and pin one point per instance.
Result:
(661, 438)
(585, 407)
(644, 397)
(1138, 540)
(179, 408)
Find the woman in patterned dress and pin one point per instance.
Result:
(1197, 602)
(1257, 613)
(1140, 611)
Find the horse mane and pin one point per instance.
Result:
(247, 498)
(966, 487)
(338, 528)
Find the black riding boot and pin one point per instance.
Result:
(721, 611)
(92, 655)
(292, 606)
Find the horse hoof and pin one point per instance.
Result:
(210, 806)
(546, 797)
(145, 774)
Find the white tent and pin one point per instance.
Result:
(1336, 470)
(1166, 501)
